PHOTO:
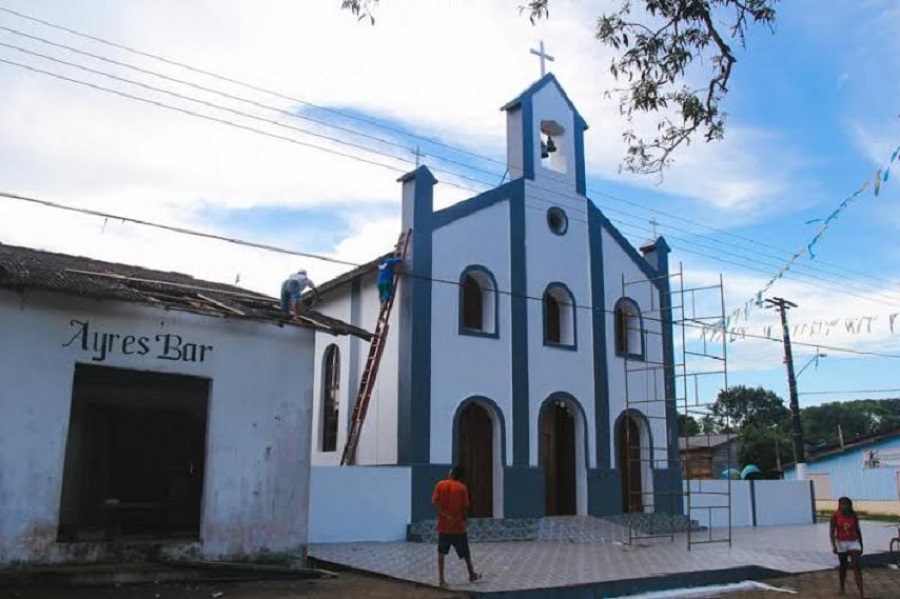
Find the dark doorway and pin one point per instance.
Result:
(557, 455)
(476, 456)
(134, 456)
(630, 465)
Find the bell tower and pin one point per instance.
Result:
(545, 136)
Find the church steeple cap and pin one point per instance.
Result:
(526, 95)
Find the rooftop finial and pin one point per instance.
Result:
(543, 56)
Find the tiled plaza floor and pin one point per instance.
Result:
(580, 560)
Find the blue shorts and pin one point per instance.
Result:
(460, 542)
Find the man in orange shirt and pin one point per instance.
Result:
(451, 500)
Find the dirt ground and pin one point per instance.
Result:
(880, 583)
(346, 584)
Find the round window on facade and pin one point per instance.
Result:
(557, 220)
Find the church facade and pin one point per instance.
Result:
(528, 342)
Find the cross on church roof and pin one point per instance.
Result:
(543, 56)
(419, 155)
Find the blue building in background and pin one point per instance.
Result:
(867, 470)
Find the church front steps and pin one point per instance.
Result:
(570, 529)
(481, 530)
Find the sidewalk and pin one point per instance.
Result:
(609, 568)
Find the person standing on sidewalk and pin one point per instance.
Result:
(847, 542)
(451, 500)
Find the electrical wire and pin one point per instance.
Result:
(343, 154)
(364, 148)
(185, 231)
(274, 93)
(277, 94)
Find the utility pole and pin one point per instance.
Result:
(782, 306)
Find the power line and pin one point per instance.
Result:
(277, 94)
(246, 85)
(337, 112)
(234, 81)
(294, 140)
(203, 88)
(182, 230)
(174, 229)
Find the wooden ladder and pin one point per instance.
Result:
(376, 350)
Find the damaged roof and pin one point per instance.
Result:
(24, 268)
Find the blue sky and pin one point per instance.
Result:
(812, 115)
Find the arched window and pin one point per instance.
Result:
(331, 373)
(559, 316)
(477, 302)
(629, 329)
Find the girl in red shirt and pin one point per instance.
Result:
(847, 541)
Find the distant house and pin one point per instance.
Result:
(148, 410)
(707, 456)
(867, 470)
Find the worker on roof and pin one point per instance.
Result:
(291, 290)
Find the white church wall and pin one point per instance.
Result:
(565, 259)
(466, 365)
(378, 440)
(255, 492)
(643, 384)
(343, 507)
(336, 306)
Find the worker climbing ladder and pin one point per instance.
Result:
(376, 349)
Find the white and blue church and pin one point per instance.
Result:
(530, 342)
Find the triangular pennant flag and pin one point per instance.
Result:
(877, 182)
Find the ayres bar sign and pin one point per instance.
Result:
(168, 346)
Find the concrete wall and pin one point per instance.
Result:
(710, 508)
(751, 503)
(359, 503)
(780, 502)
(256, 491)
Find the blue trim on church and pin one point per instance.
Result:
(525, 97)
(528, 136)
(524, 103)
(519, 327)
(414, 396)
(635, 256)
(598, 322)
(580, 181)
(507, 191)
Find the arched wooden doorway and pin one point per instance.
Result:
(557, 456)
(476, 456)
(630, 465)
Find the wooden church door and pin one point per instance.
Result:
(630, 466)
(558, 459)
(476, 456)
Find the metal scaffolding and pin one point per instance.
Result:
(675, 363)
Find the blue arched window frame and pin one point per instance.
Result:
(566, 315)
(490, 316)
(626, 337)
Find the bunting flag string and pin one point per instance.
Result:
(882, 175)
(871, 324)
